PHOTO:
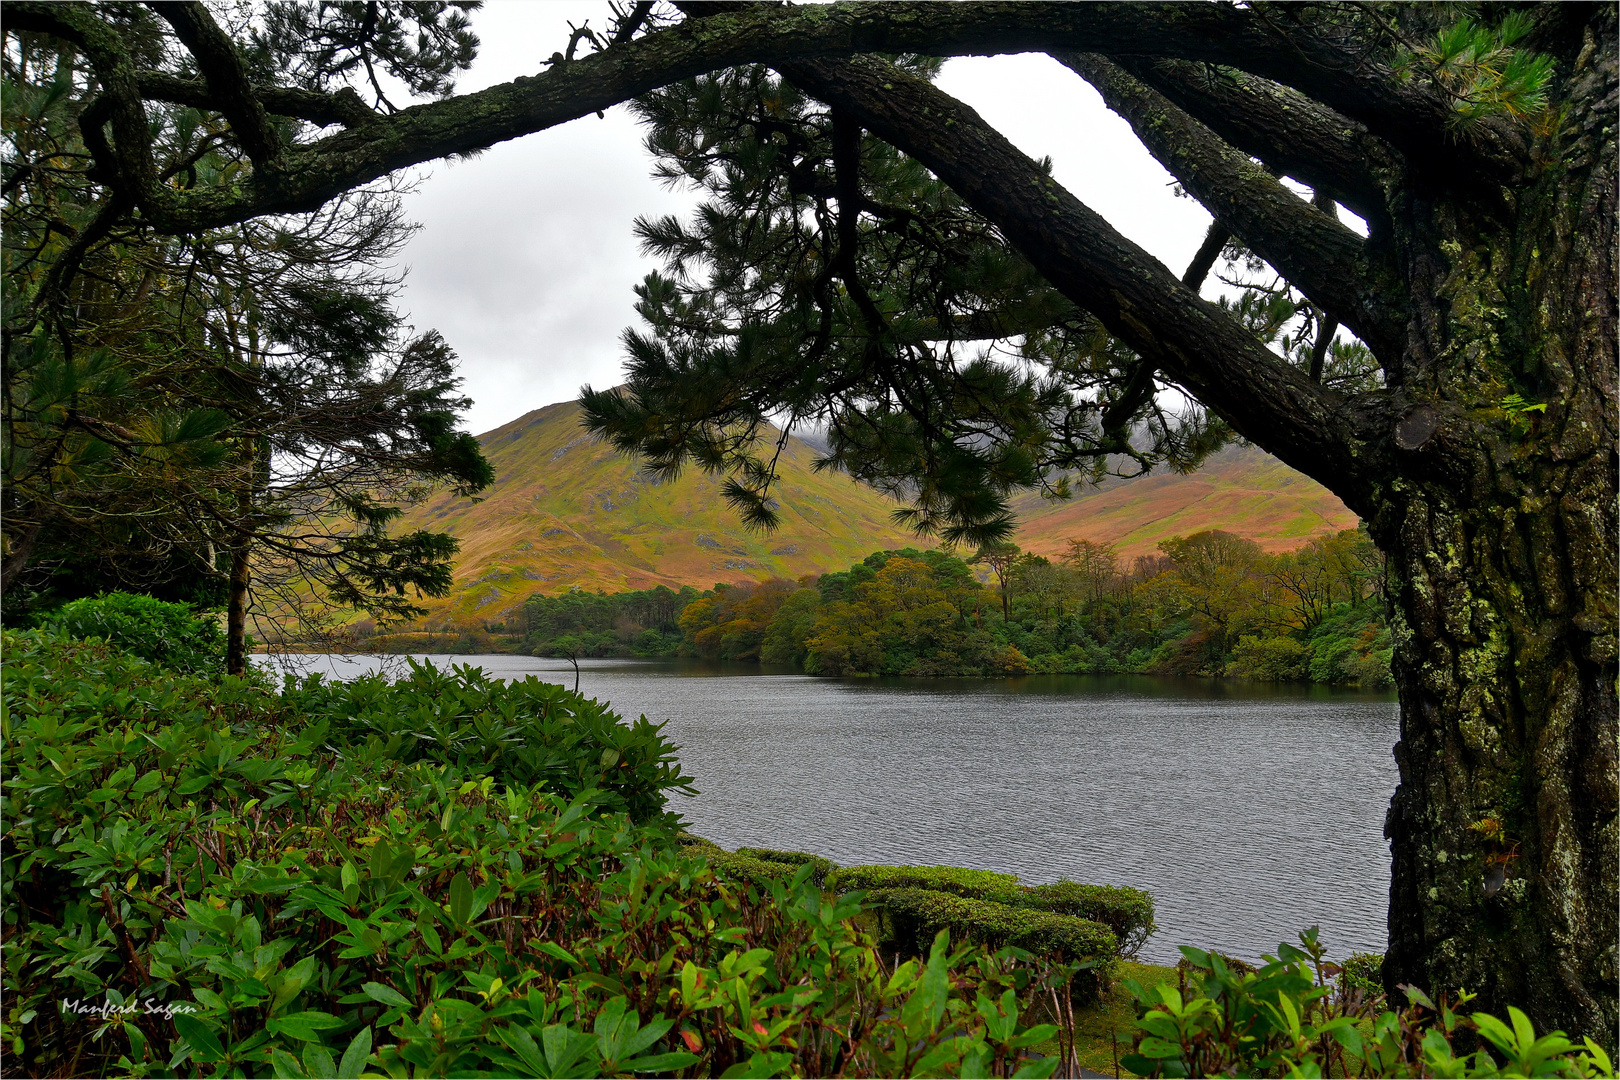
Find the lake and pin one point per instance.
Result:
(1250, 811)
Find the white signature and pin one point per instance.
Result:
(108, 1009)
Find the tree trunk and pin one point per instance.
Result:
(236, 610)
(1500, 528)
(1499, 523)
(17, 555)
(1503, 828)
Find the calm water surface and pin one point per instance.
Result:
(1249, 811)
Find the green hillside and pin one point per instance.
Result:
(567, 510)
(1241, 490)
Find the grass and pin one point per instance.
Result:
(1106, 1030)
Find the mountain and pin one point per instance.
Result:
(1243, 490)
(567, 510)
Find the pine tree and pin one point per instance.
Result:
(1471, 422)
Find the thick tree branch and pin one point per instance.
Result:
(221, 65)
(1288, 131)
(1139, 387)
(301, 178)
(342, 107)
(1131, 292)
(1319, 256)
(130, 155)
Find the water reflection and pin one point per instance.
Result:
(1250, 810)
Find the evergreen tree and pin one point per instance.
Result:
(1473, 429)
(238, 412)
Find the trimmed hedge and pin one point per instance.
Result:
(909, 919)
(823, 867)
(970, 884)
(1127, 912)
(735, 866)
(755, 865)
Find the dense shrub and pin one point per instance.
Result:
(200, 879)
(578, 623)
(520, 732)
(1127, 912)
(1363, 972)
(1351, 645)
(1286, 1018)
(168, 634)
(910, 918)
(1271, 659)
(973, 884)
(820, 867)
(735, 866)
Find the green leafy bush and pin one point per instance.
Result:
(1127, 912)
(1271, 659)
(520, 732)
(910, 918)
(1287, 1019)
(735, 866)
(972, 884)
(200, 879)
(1363, 972)
(164, 633)
(821, 867)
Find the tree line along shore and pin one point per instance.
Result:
(1210, 604)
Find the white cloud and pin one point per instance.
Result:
(526, 260)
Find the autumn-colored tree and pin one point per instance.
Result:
(1097, 565)
(1000, 557)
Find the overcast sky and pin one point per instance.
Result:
(526, 260)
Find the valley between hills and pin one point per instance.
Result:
(568, 511)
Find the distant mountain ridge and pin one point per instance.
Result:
(567, 510)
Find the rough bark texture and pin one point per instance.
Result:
(1500, 524)
(236, 611)
(1501, 536)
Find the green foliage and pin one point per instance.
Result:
(203, 877)
(1351, 645)
(790, 628)
(1213, 604)
(1271, 659)
(748, 869)
(524, 732)
(1483, 69)
(169, 635)
(730, 622)
(1363, 972)
(910, 918)
(1127, 912)
(820, 867)
(578, 623)
(1287, 1019)
(247, 396)
(973, 884)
